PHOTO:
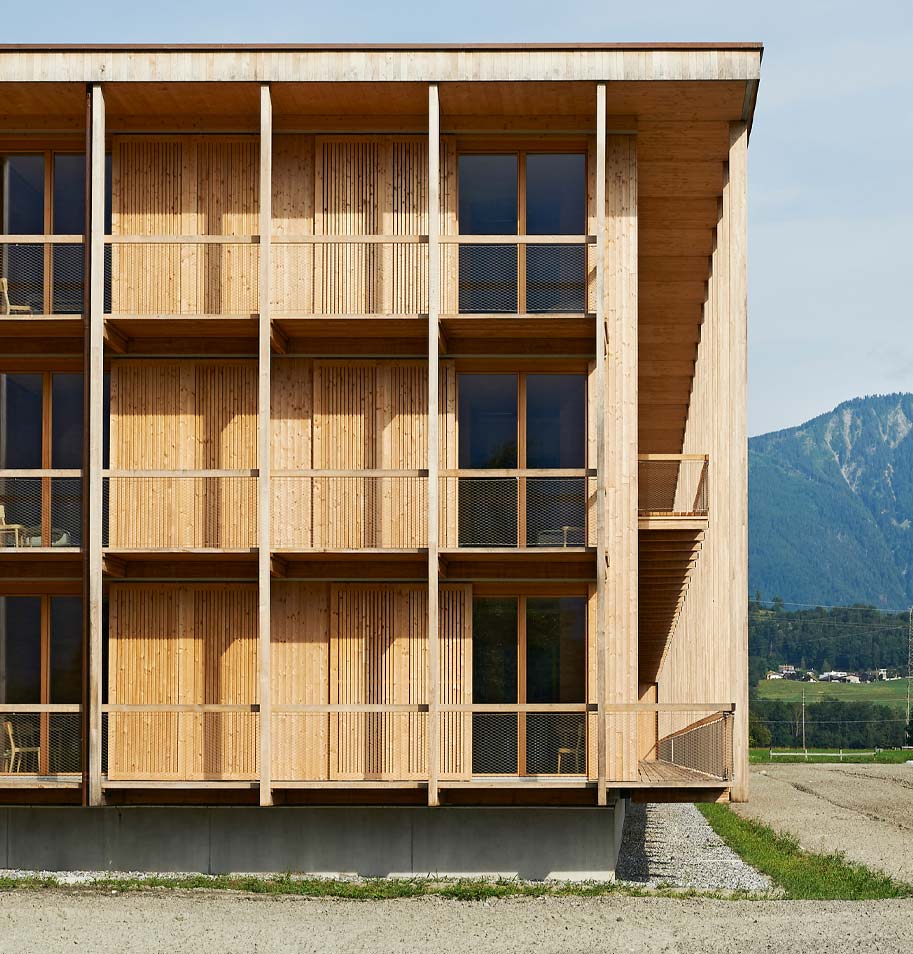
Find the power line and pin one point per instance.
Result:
(878, 609)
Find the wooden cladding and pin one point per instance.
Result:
(184, 186)
(338, 415)
(350, 645)
(180, 646)
(182, 415)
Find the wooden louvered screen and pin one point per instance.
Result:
(455, 635)
(370, 415)
(371, 186)
(180, 645)
(292, 265)
(174, 415)
(449, 454)
(184, 185)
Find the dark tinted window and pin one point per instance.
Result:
(20, 650)
(555, 194)
(487, 420)
(20, 420)
(488, 195)
(555, 649)
(66, 649)
(494, 650)
(66, 420)
(555, 420)
(22, 194)
(69, 208)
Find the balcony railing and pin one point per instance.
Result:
(517, 274)
(516, 508)
(181, 742)
(175, 510)
(672, 485)
(41, 275)
(41, 741)
(40, 508)
(349, 509)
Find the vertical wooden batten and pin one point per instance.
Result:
(601, 443)
(620, 426)
(434, 304)
(95, 435)
(263, 443)
(738, 449)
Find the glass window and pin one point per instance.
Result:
(66, 421)
(487, 420)
(555, 649)
(22, 196)
(66, 649)
(20, 421)
(494, 681)
(555, 420)
(20, 650)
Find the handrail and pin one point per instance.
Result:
(180, 707)
(118, 473)
(518, 472)
(52, 707)
(41, 472)
(350, 472)
(35, 239)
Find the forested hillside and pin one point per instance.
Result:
(831, 506)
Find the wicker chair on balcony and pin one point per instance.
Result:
(575, 752)
(9, 531)
(5, 307)
(13, 753)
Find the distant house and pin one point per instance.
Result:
(774, 675)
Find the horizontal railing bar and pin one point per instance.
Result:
(520, 472)
(668, 707)
(492, 316)
(251, 472)
(349, 239)
(186, 707)
(648, 457)
(11, 707)
(42, 239)
(518, 239)
(182, 239)
(372, 472)
(520, 707)
(41, 472)
(351, 707)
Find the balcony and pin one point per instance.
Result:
(41, 509)
(40, 746)
(673, 491)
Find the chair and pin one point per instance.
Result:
(5, 307)
(13, 530)
(575, 752)
(13, 755)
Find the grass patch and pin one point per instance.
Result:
(369, 889)
(801, 875)
(884, 757)
(890, 693)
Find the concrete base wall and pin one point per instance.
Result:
(532, 843)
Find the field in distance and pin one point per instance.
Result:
(891, 693)
(885, 756)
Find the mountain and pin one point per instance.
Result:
(830, 506)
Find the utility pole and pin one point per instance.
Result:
(909, 663)
(804, 747)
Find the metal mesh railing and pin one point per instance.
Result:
(40, 511)
(353, 510)
(41, 278)
(515, 510)
(154, 276)
(40, 740)
(524, 276)
(704, 746)
(180, 742)
(360, 275)
(672, 485)
(171, 511)
(385, 743)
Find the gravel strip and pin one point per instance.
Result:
(674, 845)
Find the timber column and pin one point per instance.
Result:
(618, 609)
(95, 424)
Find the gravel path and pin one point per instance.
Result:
(865, 811)
(151, 923)
(674, 845)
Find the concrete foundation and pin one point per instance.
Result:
(530, 843)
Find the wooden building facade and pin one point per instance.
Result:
(373, 424)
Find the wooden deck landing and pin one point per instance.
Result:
(667, 775)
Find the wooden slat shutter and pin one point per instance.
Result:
(292, 283)
(448, 457)
(291, 423)
(456, 679)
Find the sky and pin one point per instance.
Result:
(831, 176)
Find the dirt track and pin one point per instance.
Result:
(52, 922)
(865, 811)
